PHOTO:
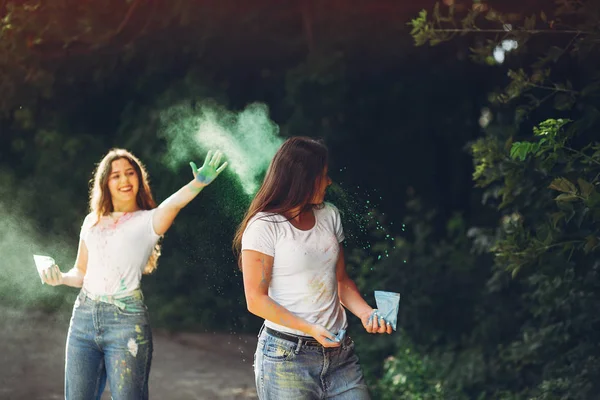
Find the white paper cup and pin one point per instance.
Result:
(43, 263)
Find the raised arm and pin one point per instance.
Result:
(167, 211)
(351, 298)
(257, 269)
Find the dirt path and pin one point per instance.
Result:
(184, 366)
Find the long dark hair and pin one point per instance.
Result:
(101, 201)
(291, 181)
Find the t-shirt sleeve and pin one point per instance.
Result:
(337, 224)
(88, 222)
(152, 235)
(260, 235)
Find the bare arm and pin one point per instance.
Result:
(53, 276)
(347, 290)
(351, 298)
(75, 276)
(167, 211)
(257, 270)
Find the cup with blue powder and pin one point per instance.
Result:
(387, 307)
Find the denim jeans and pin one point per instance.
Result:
(291, 370)
(108, 343)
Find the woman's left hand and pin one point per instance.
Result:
(373, 323)
(210, 169)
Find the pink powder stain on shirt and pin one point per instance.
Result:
(109, 224)
(121, 220)
(331, 244)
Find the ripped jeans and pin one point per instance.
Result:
(110, 343)
(294, 368)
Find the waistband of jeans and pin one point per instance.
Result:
(306, 340)
(116, 299)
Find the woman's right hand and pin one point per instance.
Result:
(52, 276)
(323, 336)
(210, 169)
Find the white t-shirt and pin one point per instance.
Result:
(303, 279)
(117, 252)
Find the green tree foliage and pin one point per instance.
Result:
(409, 376)
(79, 78)
(539, 166)
(442, 285)
(468, 328)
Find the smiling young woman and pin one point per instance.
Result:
(109, 335)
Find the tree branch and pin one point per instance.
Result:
(554, 89)
(53, 50)
(152, 13)
(130, 12)
(582, 154)
(532, 31)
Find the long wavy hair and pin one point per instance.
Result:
(101, 200)
(291, 181)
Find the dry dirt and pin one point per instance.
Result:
(185, 366)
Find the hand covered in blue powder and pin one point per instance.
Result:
(339, 337)
(374, 323)
(210, 169)
(323, 336)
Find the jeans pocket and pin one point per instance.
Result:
(274, 351)
(133, 308)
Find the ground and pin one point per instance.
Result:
(185, 365)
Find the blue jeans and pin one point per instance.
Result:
(106, 342)
(287, 369)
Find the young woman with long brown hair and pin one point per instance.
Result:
(295, 278)
(109, 334)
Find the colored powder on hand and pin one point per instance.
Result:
(339, 337)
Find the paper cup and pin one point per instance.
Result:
(42, 263)
(387, 306)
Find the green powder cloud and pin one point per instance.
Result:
(20, 284)
(249, 138)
